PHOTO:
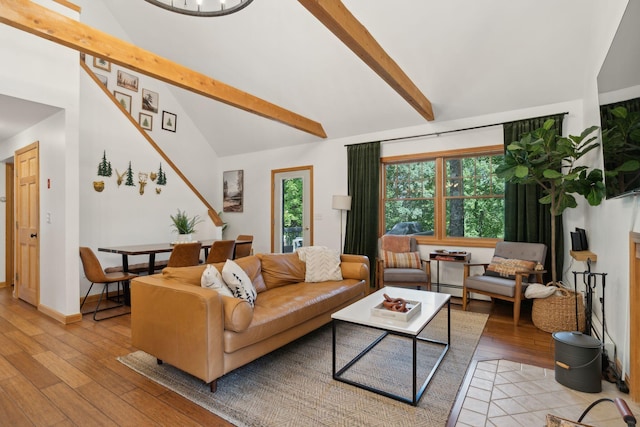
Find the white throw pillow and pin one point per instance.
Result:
(239, 283)
(322, 264)
(538, 290)
(212, 279)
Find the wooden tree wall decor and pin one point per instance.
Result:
(104, 167)
(129, 174)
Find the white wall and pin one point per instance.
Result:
(41, 71)
(609, 224)
(120, 215)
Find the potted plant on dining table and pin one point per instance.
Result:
(184, 225)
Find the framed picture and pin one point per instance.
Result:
(150, 100)
(103, 64)
(146, 121)
(232, 191)
(124, 100)
(103, 79)
(127, 81)
(169, 121)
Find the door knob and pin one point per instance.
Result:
(34, 234)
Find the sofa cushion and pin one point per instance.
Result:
(508, 267)
(285, 307)
(322, 264)
(212, 279)
(239, 282)
(281, 269)
(401, 259)
(190, 275)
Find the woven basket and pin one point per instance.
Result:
(558, 312)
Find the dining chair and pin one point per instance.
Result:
(513, 266)
(243, 246)
(399, 263)
(185, 254)
(221, 250)
(95, 274)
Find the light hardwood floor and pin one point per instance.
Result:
(57, 375)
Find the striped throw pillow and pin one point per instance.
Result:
(401, 259)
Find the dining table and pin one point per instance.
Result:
(150, 249)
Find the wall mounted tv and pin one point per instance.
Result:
(621, 147)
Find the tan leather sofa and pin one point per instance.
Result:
(208, 335)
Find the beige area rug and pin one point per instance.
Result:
(293, 386)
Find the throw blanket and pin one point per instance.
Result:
(393, 243)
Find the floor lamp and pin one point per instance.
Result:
(342, 203)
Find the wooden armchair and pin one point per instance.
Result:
(399, 263)
(513, 266)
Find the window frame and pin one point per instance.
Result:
(439, 233)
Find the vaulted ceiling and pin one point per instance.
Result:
(469, 58)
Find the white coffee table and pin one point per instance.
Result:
(359, 313)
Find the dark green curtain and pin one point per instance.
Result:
(632, 105)
(363, 172)
(526, 220)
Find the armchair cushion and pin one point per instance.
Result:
(401, 259)
(509, 267)
(495, 285)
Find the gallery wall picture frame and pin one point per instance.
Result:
(233, 191)
(102, 64)
(124, 100)
(127, 80)
(103, 79)
(145, 121)
(169, 121)
(150, 100)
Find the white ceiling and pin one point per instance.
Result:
(469, 57)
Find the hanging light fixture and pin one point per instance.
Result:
(202, 7)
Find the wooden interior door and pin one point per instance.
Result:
(27, 254)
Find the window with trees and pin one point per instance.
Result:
(445, 197)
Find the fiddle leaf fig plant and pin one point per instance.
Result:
(551, 161)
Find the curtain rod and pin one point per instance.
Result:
(402, 138)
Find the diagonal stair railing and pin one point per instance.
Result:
(211, 211)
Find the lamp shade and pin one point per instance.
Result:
(341, 202)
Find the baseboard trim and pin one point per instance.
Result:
(56, 315)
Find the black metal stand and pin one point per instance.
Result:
(590, 282)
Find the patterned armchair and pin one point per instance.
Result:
(399, 263)
(513, 266)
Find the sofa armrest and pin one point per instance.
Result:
(180, 324)
(355, 267)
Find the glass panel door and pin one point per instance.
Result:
(292, 205)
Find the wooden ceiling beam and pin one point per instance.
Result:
(337, 18)
(42, 22)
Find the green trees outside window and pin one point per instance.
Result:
(467, 201)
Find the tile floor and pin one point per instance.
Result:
(504, 393)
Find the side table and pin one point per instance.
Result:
(460, 257)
